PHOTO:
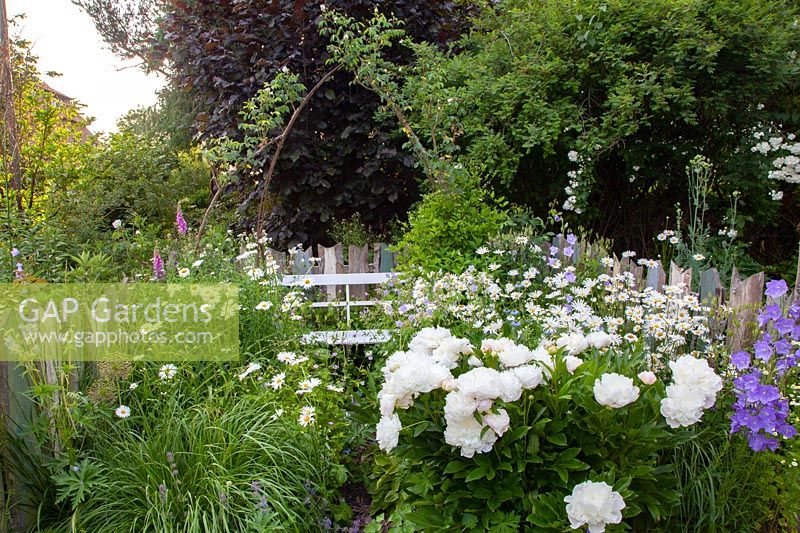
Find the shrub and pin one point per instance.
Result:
(446, 228)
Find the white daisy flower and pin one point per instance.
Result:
(123, 411)
(263, 306)
(307, 416)
(167, 372)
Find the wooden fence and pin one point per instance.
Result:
(742, 298)
(337, 259)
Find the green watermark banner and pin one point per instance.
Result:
(119, 322)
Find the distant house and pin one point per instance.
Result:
(86, 134)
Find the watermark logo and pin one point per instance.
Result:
(121, 321)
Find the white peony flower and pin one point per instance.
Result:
(495, 346)
(543, 357)
(512, 388)
(450, 351)
(499, 421)
(428, 339)
(683, 405)
(572, 363)
(469, 435)
(575, 343)
(647, 377)
(459, 405)
(388, 432)
(474, 361)
(615, 390)
(695, 373)
(515, 356)
(594, 505)
(530, 376)
(481, 383)
(599, 339)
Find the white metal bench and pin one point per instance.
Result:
(363, 336)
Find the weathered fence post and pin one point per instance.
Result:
(678, 276)
(331, 264)
(796, 293)
(357, 262)
(710, 286)
(745, 299)
(656, 277)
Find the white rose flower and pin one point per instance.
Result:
(615, 390)
(388, 432)
(594, 505)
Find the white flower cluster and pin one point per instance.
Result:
(432, 354)
(594, 505)
(787, 166)
(293, 303)
(694, 389)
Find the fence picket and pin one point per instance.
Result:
(710, 286)
(745, 298)
(796, 293)
(678, 276)
(357, 259)
(656, 277)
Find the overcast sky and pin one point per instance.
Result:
(66, 41)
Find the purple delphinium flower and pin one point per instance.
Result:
(158, 265)
(776, 288)
(183, 228)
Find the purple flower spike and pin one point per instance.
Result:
(181, 222)
(158, 265)
(776, 288)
